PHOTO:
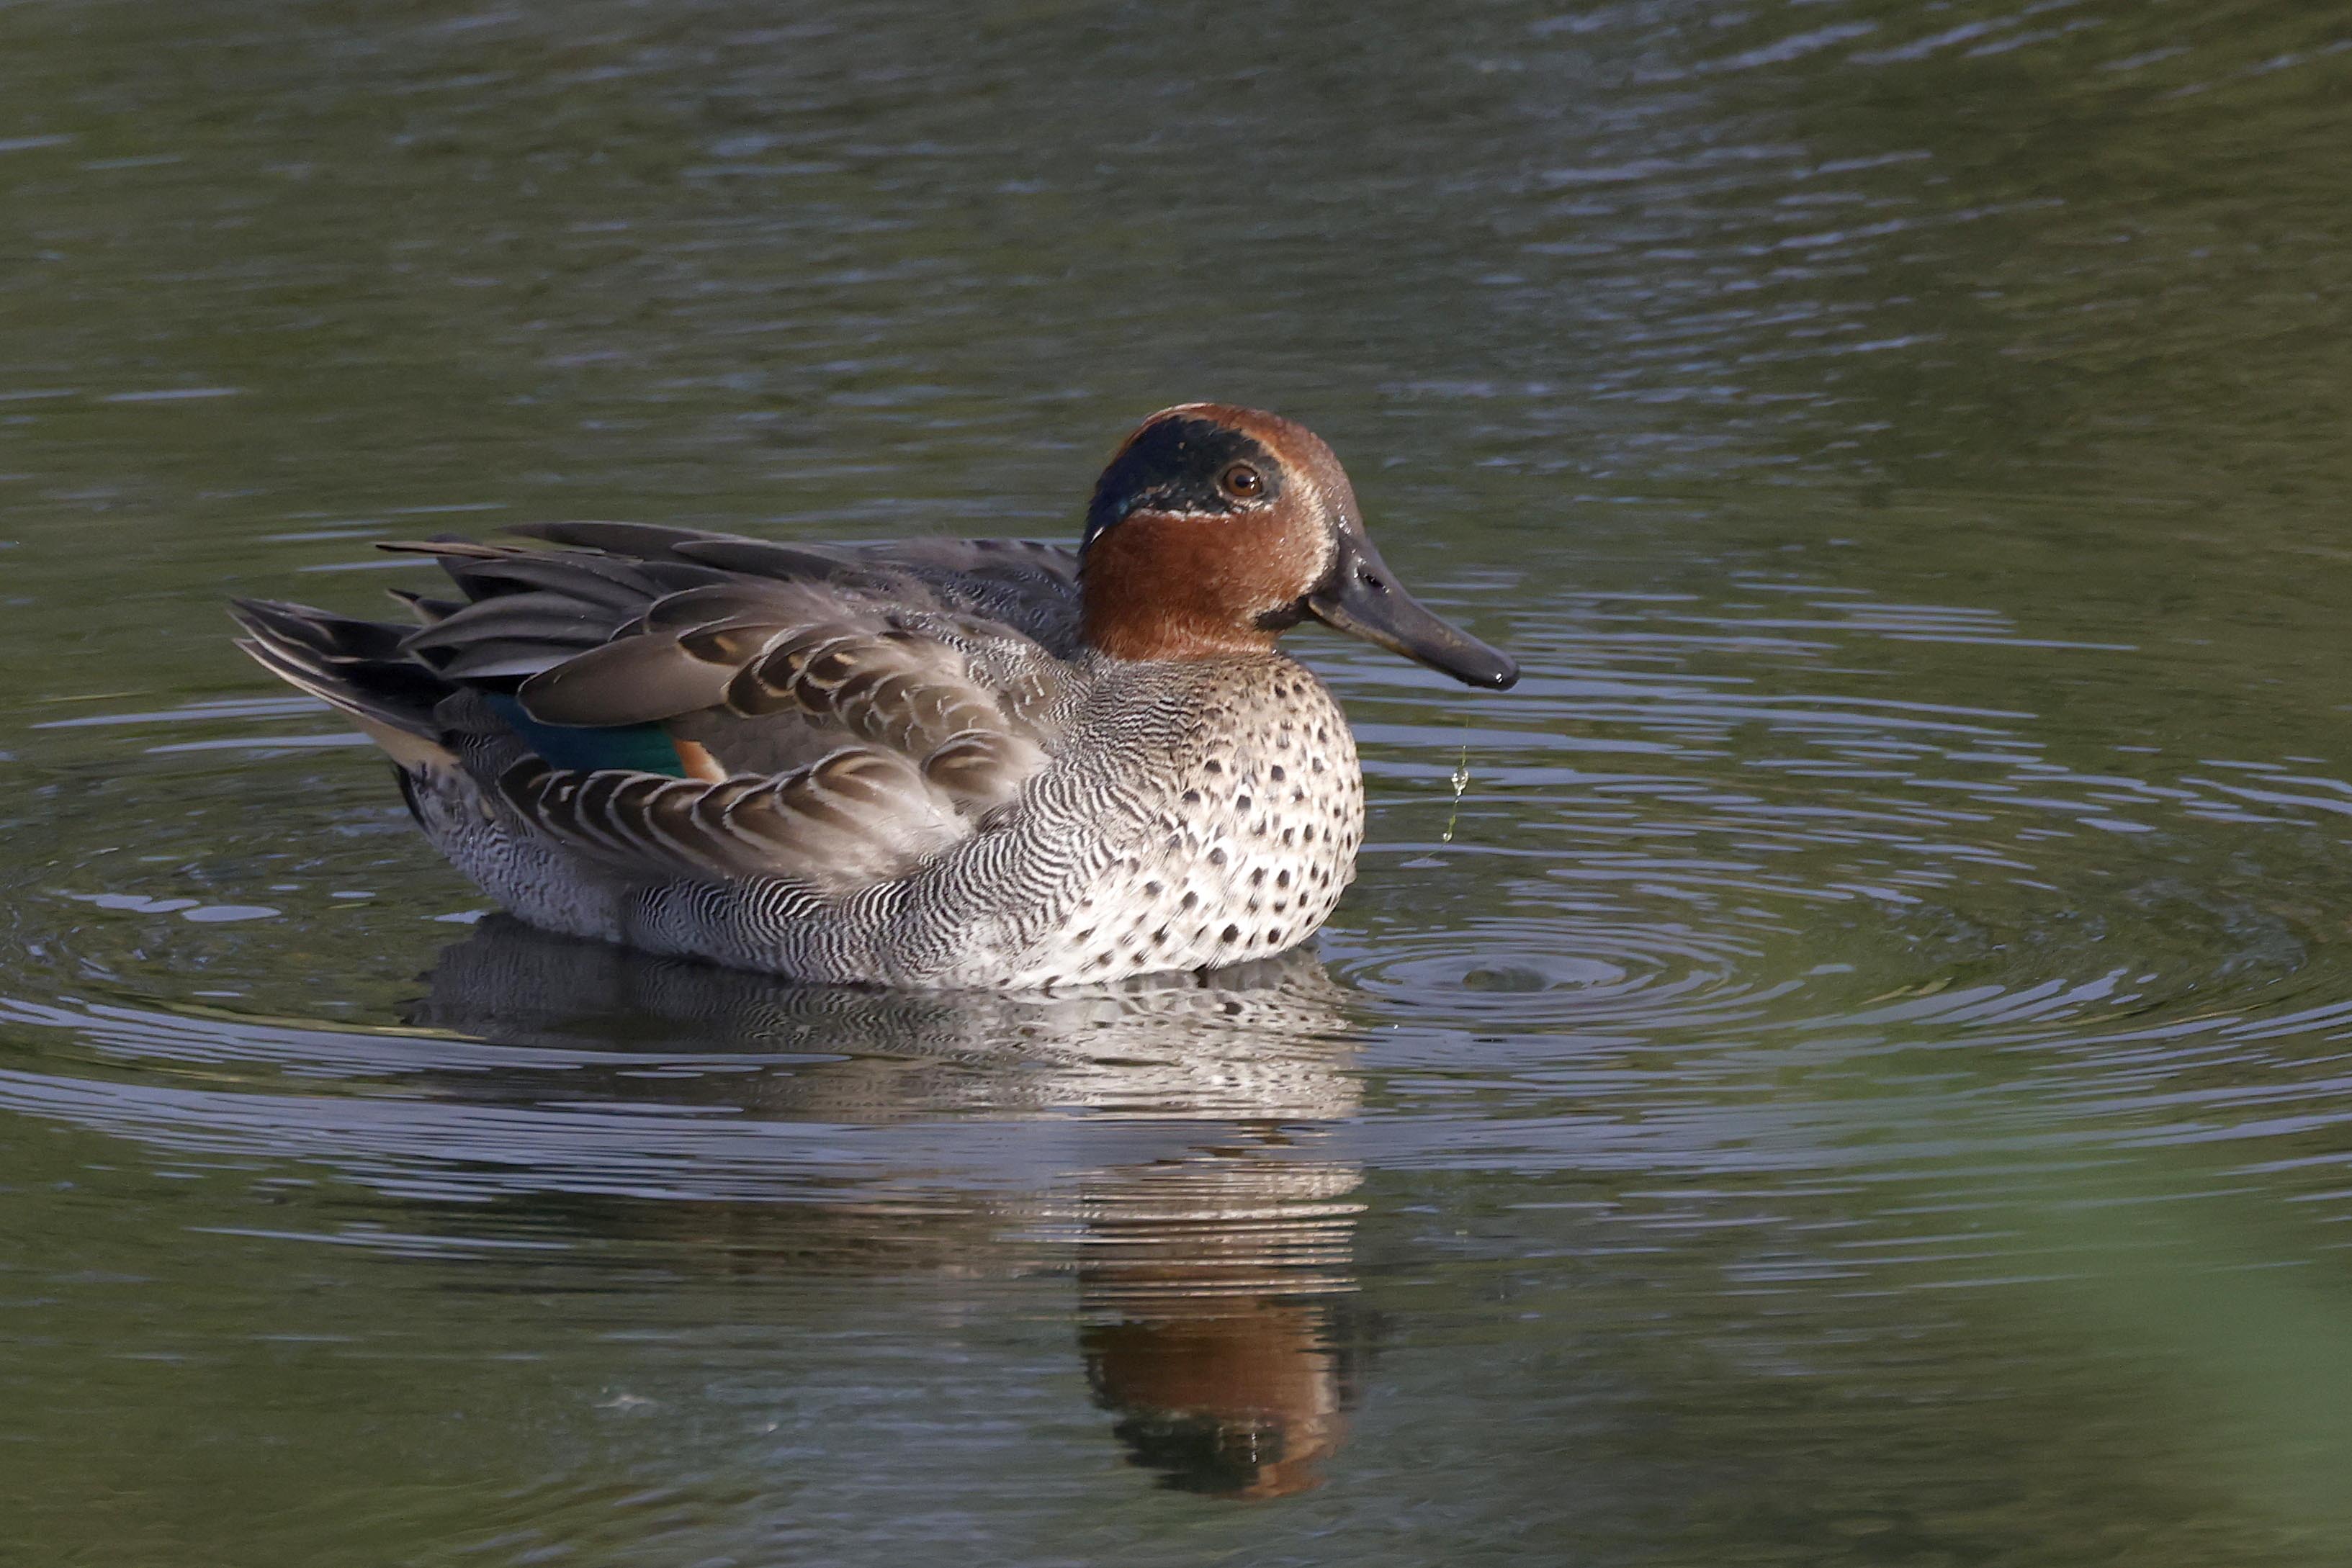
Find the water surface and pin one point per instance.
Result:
(1856, 1069)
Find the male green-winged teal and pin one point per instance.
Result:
(949, 763)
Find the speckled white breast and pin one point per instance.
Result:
(1237, 849)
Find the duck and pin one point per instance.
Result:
(930, 764)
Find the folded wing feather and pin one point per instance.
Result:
(870, 705)
(858, 816)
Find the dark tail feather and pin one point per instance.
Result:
(354, 665)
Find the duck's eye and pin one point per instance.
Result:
(1244, 481)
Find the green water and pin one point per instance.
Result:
(1860, 1075)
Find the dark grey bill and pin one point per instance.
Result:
(1361, 598)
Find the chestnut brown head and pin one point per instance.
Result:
(1215, 529)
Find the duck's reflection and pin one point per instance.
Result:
(1210, 1238)
(1214, 1295)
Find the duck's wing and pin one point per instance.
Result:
(837, 713)
(858, 816)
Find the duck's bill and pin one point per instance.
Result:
(1361, 598)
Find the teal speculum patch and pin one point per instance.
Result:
(642, 747)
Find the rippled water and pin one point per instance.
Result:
(1847, 1063)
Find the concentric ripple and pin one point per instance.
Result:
(1577, 972)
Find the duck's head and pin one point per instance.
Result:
(1216, 528)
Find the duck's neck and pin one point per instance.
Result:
(1152, 634)
(1166, 588)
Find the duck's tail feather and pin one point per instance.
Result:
(355, 666)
